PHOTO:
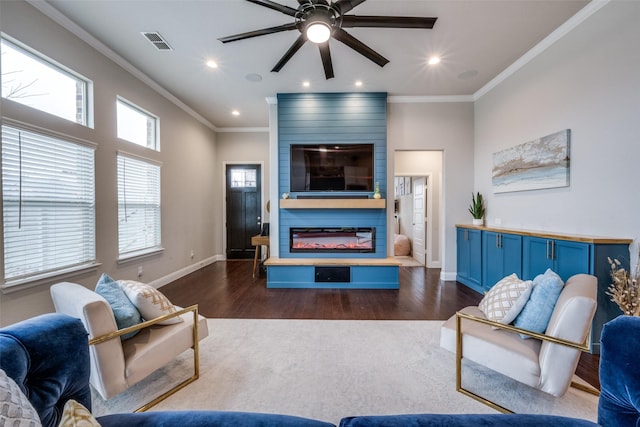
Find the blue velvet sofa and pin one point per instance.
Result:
(48, 357)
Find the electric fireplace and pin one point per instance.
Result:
(333, 239)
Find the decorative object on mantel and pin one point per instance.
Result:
(285, 195)
(376, 193)
(477, 208)
(541, 163)
(624, 289)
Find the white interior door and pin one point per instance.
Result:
(419, 219)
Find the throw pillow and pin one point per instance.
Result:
(537, 312)
(15, 408)
(150, 302)
(505, 299)
(76, 415)
(125, 313)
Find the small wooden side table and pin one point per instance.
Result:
(259, 241)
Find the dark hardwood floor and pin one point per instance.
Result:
(226, 289)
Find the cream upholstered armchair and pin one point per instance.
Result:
(116, 364)
(547, 362)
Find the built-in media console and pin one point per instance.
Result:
(333, 273)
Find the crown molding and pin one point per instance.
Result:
(243, 129)
(428, 99)
(80, 32)
(547, 42)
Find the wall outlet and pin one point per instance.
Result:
(498, 221)
(140, 271)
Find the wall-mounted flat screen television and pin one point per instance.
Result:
(332, 167)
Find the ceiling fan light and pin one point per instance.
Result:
(318, 32)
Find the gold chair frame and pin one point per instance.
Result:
(459, 316)
(146, 324)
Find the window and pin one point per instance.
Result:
(243, 178)
(48, 205)
(136, 125)
(33, 80)
(138, 206)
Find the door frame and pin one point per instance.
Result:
(225, 164)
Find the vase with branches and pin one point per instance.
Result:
(624, 289)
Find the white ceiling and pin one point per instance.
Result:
(476, 39)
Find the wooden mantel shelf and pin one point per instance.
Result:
(333, 203)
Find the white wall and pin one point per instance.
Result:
(589, 82)
(189, 165)
(446, 127)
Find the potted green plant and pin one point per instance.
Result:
(477, 208)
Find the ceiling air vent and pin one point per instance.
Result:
(157, 40)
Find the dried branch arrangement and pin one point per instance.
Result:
(625, 289)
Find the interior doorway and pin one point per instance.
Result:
(418, 179)
(243, 212)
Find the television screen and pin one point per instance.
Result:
(332, 167)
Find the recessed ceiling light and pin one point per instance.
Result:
(306, 83)
(235, 112)
(212, 64)
(434, 60)
(358, 83)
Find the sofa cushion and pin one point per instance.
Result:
(537, 311)
(15, 408)
(149, 301)
(208, 419)
(76, 415)
(124, 311)
(463, 420)
(505, 299)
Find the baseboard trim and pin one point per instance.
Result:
(448, 276)
(158, 283)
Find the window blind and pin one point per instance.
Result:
(138, 206)
(48, 188)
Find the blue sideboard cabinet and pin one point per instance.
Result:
(469, 249)
(529, 253)
(501, 256)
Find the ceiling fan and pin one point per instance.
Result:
(319, 20)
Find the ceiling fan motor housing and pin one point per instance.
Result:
(311, 14)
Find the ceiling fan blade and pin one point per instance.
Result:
(256, 33)
(351, 21)
(289, 54)
(325, 54)
(275, 6)
(358, 46)
(344, 6)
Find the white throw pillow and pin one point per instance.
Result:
(149, 301)
(15, 408)
(505, 299)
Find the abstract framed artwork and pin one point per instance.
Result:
(534, 165)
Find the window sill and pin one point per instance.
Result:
(123, 259)
(46, 278)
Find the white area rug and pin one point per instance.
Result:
(326, 370)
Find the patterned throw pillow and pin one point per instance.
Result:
(76, 415)
(15, 408)
(505, 299)
(149, 301)
(537, 312)
(124, 311)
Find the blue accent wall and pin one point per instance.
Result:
(315, 118)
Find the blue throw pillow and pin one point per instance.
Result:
(537, 311)
(124, 311)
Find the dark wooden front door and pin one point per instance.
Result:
(243, 209)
